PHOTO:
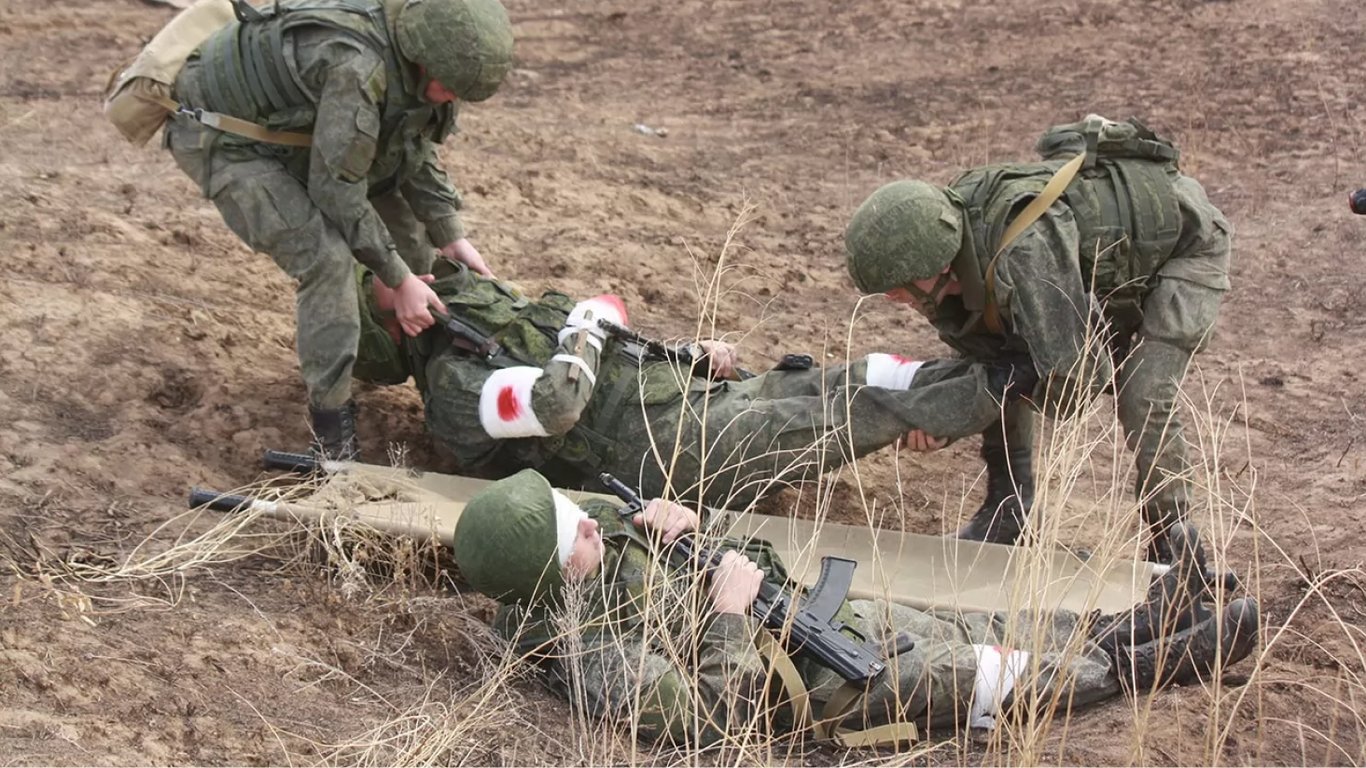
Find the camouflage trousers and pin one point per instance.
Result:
(270, 210)
(932, 684)
(731, 442)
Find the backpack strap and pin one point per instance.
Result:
(1053, 190)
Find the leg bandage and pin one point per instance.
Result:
(997, 669)
(891, 371)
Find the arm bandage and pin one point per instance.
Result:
(505, 404)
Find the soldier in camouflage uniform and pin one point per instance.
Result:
(583, 595)
(377, 83)
(560, 395)
(1132, 253)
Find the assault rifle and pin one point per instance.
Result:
(686, 355)
(807, 624)
(467, 337)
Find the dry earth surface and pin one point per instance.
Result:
(145, 350)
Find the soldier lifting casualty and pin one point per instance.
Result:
(541, 384)
(530, 547)
(1007, 269)
(377, 82)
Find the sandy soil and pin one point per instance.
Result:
(145, 350)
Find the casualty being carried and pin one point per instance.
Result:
(512, 383)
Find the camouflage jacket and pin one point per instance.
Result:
(372, 132)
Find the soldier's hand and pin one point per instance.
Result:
(669, 519)
(412, 300)
(724, 357)
(463, 251)
(916, 440)
(735, 583)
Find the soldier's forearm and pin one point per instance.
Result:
(435, 200)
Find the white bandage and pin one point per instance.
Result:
(586, 314)
(891, 371)
(567, 518)
(997, 669)
(580, 363)
(505, 404)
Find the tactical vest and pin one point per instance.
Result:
(1127, 216)
(248, 70)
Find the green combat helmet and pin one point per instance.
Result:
(466, 45)
(505, 540)
(905, 231)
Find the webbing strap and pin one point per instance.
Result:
(244, 128)
(797, 695)
(1053, 190)
(836, 708)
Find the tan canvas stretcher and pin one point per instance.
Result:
(914, 569)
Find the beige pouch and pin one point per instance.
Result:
(138, 99)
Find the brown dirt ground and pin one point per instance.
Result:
(145, 350)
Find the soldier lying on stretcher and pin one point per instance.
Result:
(630, 653)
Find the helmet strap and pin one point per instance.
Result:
(928, 301)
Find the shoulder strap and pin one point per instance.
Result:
(991, 315)
(237, 126)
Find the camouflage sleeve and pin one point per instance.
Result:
(681, 695)
(434, 198)
(472, 405)
(1039, 280)
(345, 135)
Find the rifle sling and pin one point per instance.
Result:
(991, 314)
(838, 707)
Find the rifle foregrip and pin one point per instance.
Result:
(290, 462)
(218, 502)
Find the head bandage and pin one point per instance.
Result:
(567, 518)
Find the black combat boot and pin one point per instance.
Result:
(1192, 653)
(1163, 549)
(1010, 493)
(1174, 601)
(1159, 520)
(334, 432)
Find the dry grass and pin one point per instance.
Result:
(1083, 500)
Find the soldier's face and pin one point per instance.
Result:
(586, 556)
(438, 93)
(434, 92)
(927, 293)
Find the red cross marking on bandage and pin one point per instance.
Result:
(509, 407)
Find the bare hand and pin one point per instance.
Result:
(412, 300)
(735, 583)
(463, 251)
(916, 440)
(724, 357)
(669, 519)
